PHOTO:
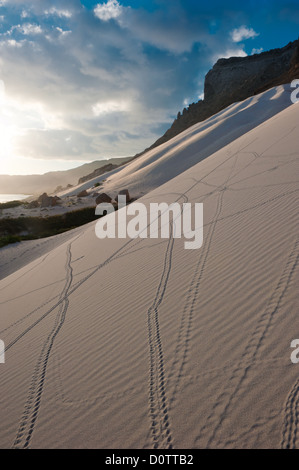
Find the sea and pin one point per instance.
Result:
(13, 197)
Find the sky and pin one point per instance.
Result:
(88, 80)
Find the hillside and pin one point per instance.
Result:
(48, 182)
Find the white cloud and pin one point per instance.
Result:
(107, 11)
(256, 51)
(58, 12)
(239, 34)
(12, 43)
(29, 28)
(2, 92)
(110, 107)
(24, 14)
(234, 53)
(229, 53)
(62, 32)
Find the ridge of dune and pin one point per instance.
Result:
(123, 343)
(169, 159)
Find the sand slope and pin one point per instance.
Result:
(163, 163)
(140, 343)
(17, 255)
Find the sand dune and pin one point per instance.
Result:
(163, 163)
(14, 256)
(125, 343)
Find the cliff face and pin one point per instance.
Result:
(235, 79)
(238, 76)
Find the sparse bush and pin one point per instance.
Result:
(10, 204)
(9, 239)
(40, 227)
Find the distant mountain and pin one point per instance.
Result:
(236, 79)
(52, 181)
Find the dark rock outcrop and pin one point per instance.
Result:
(41, 197)
(32, 205)
(240, 77)
(97, 172)
(103, 197)
(47, 201)
(83, 193)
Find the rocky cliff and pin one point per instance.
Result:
(240, 76)
(235, 79)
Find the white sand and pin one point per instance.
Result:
(17, 255)
(141, 343)
(163, 163)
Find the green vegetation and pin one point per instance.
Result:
(10, 204)
(9, 239)
(28, 228)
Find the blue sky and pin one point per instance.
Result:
(86, 80)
